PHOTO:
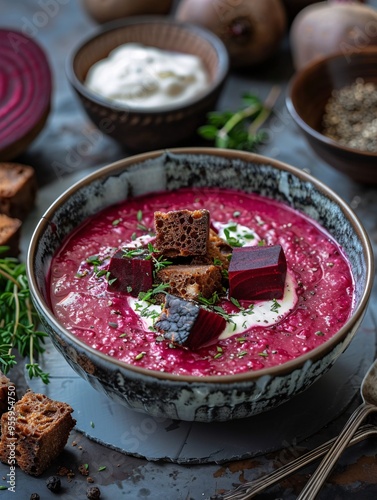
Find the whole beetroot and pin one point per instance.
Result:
(250, 29)
(329, 27)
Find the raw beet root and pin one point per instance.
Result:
(257, 273)
(185, 323)
(133, 274)
(182, 232)
(25, 92)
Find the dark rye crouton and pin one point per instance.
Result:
(18, 189)
(218, 252)
(37, 430)
(10, 232)
(182, 232)
(191, 281)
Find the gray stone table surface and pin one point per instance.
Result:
(70, 146)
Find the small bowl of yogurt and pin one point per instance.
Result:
(148, 82)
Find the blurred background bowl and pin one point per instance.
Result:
(139, 129)
(186, 397)
(308, 93)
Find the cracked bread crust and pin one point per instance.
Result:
(18, 188)
(10, 233)
(191, 281)
(37, 429)
(218, 251)
(182, 232)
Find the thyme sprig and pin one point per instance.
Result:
(241, 129)
(18, 319)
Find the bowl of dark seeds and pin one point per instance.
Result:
(334, 102)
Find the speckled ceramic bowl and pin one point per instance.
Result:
(142, 129)
(192, 398)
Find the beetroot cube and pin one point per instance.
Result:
(130, 274)
(257, 273)
(185, 323)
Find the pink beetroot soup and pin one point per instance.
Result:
(270, 333)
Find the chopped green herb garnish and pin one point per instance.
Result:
(231, 240)
(116, 222)
(112, 324)
(319, 333)
(92, 424)
(148, 296)
(94, 260)
(140, 355)
(235, 302)
(275, 306)
(241, 354)
(210, 301)
(241, 340)
(103, 467)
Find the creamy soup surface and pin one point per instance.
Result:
(317, 301)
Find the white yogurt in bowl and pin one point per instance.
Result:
(147, 77)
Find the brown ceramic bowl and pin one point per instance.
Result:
(308, 93)
(141, 129)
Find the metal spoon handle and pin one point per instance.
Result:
(316, 481)
(252, 488)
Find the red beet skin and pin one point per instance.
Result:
(206, 329)
(25, 91)
(133, 274)
(185, 323)
(257, 273)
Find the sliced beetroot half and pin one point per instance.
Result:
(25, 92)
(185, 323)
(130, 275)
(257, 273)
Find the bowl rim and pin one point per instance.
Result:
(250, 376)
(310, 67)
(214, 40)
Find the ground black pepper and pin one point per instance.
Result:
(351, 116)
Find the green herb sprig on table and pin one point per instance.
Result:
(18, 319)
(240, 129)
